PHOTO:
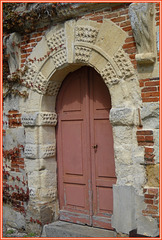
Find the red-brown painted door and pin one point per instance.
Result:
(86, 169)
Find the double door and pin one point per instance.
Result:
(85, 155)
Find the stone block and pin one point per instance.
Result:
(48, 193)
(31, 135)
(122, 134)
(148, 226)
(123, 154)
(31, 151)
(150, 115)
(152, 173)
(47, 118)
(48, 68)
(47, 135)
(13, 218)
(110, 32)
(34, 101)
(122, 116)
(46, 214)
(70, 32)
(69, 230)
(40, 151)
(46, 151)
(29, 119)
(14, 137)
(124, 219)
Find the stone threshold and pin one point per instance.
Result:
(65, 229)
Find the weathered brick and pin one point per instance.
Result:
(124, 12)
(29, 50)
(150, 94)
(152, 83)
(111, 15)
(144, 132)
(97, 18)
(149, 150)
(118, 19)
(149, 89)
(145, 144)
(129, 45)
(126, 29)
(140, 138)
(130, 50)
(125, 24)
(38, 39)
(152, 207)
(153, 191)
(150, 99)
(148, 196)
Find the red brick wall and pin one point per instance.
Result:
(149, 89)
(14, 119)
(29, 41)
(151, 198)
(145, 139)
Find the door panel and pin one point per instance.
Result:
(86, 169)
(103, 166)
(72, 160)
(104, 154)
(77, 199)
(72, 150)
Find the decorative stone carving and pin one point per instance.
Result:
(46, 118)
(41, 151)
(39, 119)
(29, 119)
(60, 58)
(142, 16)
(40, 84)
(30, 151)
(57, 41)
(123, 63)
(109, 75)
(86, 34)
(30, 74)
(47, 151)
(53, 88)
(82, 54)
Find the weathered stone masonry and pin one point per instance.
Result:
(30, 159)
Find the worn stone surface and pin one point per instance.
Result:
(122, 116)
(124, 209)
(148, 226)
(152, 175)
(65, 229)
(150, 115)
(141, 16)
(9, 217)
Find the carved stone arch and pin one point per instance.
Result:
(80, 43)
(65, 48)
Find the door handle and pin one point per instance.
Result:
(95, 146)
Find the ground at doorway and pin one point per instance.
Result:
(65, 229)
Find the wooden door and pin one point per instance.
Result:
(86, 169)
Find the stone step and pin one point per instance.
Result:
(65, 229)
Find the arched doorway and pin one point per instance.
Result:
(85, 155)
